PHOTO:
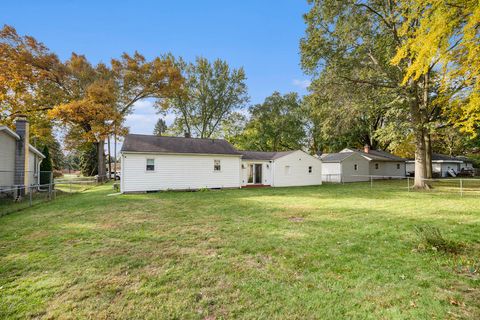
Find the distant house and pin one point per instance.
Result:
(352, 165)
(442, 164)
(19, 160)
(151, 163)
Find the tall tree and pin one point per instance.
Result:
(355, 41)
(275, 125)
(211, 92)
(91, 109)
(445, 34)
(160, 127)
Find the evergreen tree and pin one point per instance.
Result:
(46, 167)
(160, 127)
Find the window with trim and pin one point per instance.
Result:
(150, 165)
(355, 167)
(216, 165)
(310, 169)
(376, 165)
(398, 165)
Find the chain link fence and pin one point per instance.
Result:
(464, 186)
(42, 187)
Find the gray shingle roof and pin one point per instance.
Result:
(381, 155)
(376, 155)
(262, 155)
(444, 157)
(162, 144)
(335, 157)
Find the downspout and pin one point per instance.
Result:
(272, 173)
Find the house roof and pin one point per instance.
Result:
(336, 157)
(10, 132)
(262, 155)
(377, 155)
(163, 144)
(372, 155)
(446, 158)
(35, 150)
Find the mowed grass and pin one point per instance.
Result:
(325, 252)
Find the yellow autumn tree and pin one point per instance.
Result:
(444, 36)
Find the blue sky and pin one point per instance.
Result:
(262, 36)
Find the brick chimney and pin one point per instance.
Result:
(21, 153)
(366, 148)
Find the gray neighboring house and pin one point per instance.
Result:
(352, 165)
(19, 160)
(442, 164)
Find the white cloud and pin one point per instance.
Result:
(144, 106)
(304, 84)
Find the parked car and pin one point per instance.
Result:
(466, 172)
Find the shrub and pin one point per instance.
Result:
(57, 173)
(431, 238)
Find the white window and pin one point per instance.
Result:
(310, 169)
(216, 165)
(355, 167)
(398, 166)
(150, 165)
(287, 170)
(376, 166)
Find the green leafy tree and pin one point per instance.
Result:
(275, 125)
(88, 159)
(354, 43)
(211, 93)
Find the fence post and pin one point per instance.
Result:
(30, 196)
(371, 182)
(408, 184)
(50, 191)
(461, 188)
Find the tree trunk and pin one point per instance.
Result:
(115, 154)
(109, 160)
(101, 160)
(428, 156)
(419, 135)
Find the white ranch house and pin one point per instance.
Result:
(153, 163)
(352, 165)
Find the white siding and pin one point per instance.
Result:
(298, 175)
(33, 167)
(410, 167)
(331, 172)
(178, 172)
(7, 159)
(349, 174)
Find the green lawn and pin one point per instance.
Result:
(326, 252)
